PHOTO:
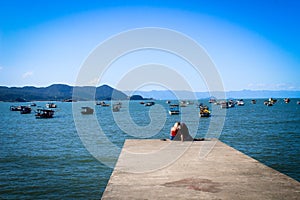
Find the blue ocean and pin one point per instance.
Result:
(63, 157)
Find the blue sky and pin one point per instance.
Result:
(253, 44)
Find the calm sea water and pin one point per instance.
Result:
(48, 158)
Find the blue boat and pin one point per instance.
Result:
(174, 109)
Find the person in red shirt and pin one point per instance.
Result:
(174, 130)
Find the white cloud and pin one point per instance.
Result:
(27, 74)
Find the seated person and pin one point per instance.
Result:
(174, 130)
(183, 133)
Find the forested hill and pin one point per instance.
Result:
(59, 92)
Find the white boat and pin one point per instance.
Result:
(150, 103)
(240, 102)
(51, 105)
(183, 104)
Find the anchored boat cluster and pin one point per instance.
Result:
(39, 112)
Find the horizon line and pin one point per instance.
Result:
(65, 84)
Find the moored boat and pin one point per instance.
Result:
(212, 100)
(273, 101)
(87, 110)
(224, 104)
(151, 103)
(270, 102)
(240, 102)
(116, 107)
(69, 100)
(231, 104)
(44, 113)
(16, 108)
(25, 110)
(253, 101)
(204, 111)
(51, 105)
(190, 103)
(102, 103)
(174, 109)
(183, 104)
(287, 100)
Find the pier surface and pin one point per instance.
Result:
(155, 169)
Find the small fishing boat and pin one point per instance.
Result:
(183, 104)
(224, 104)
(44, 113)
(151, 103)
(87, 110)
(102, 103)
(69, 100)
(190, 103)
(273, 101)
(231, 104)
(298, 102)
(25, 110)
(16, 108)
(174, 109)
(253, 101)
(116, 107)
(270, 102)
(204, 111)
(287, 100)
(51, 105)
(119, 103)
(212, 100)
(240, 102)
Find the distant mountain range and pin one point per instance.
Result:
(60, 92)
(243, 94)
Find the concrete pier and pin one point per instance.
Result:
(155, 169)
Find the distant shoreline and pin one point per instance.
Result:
(61, 92)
